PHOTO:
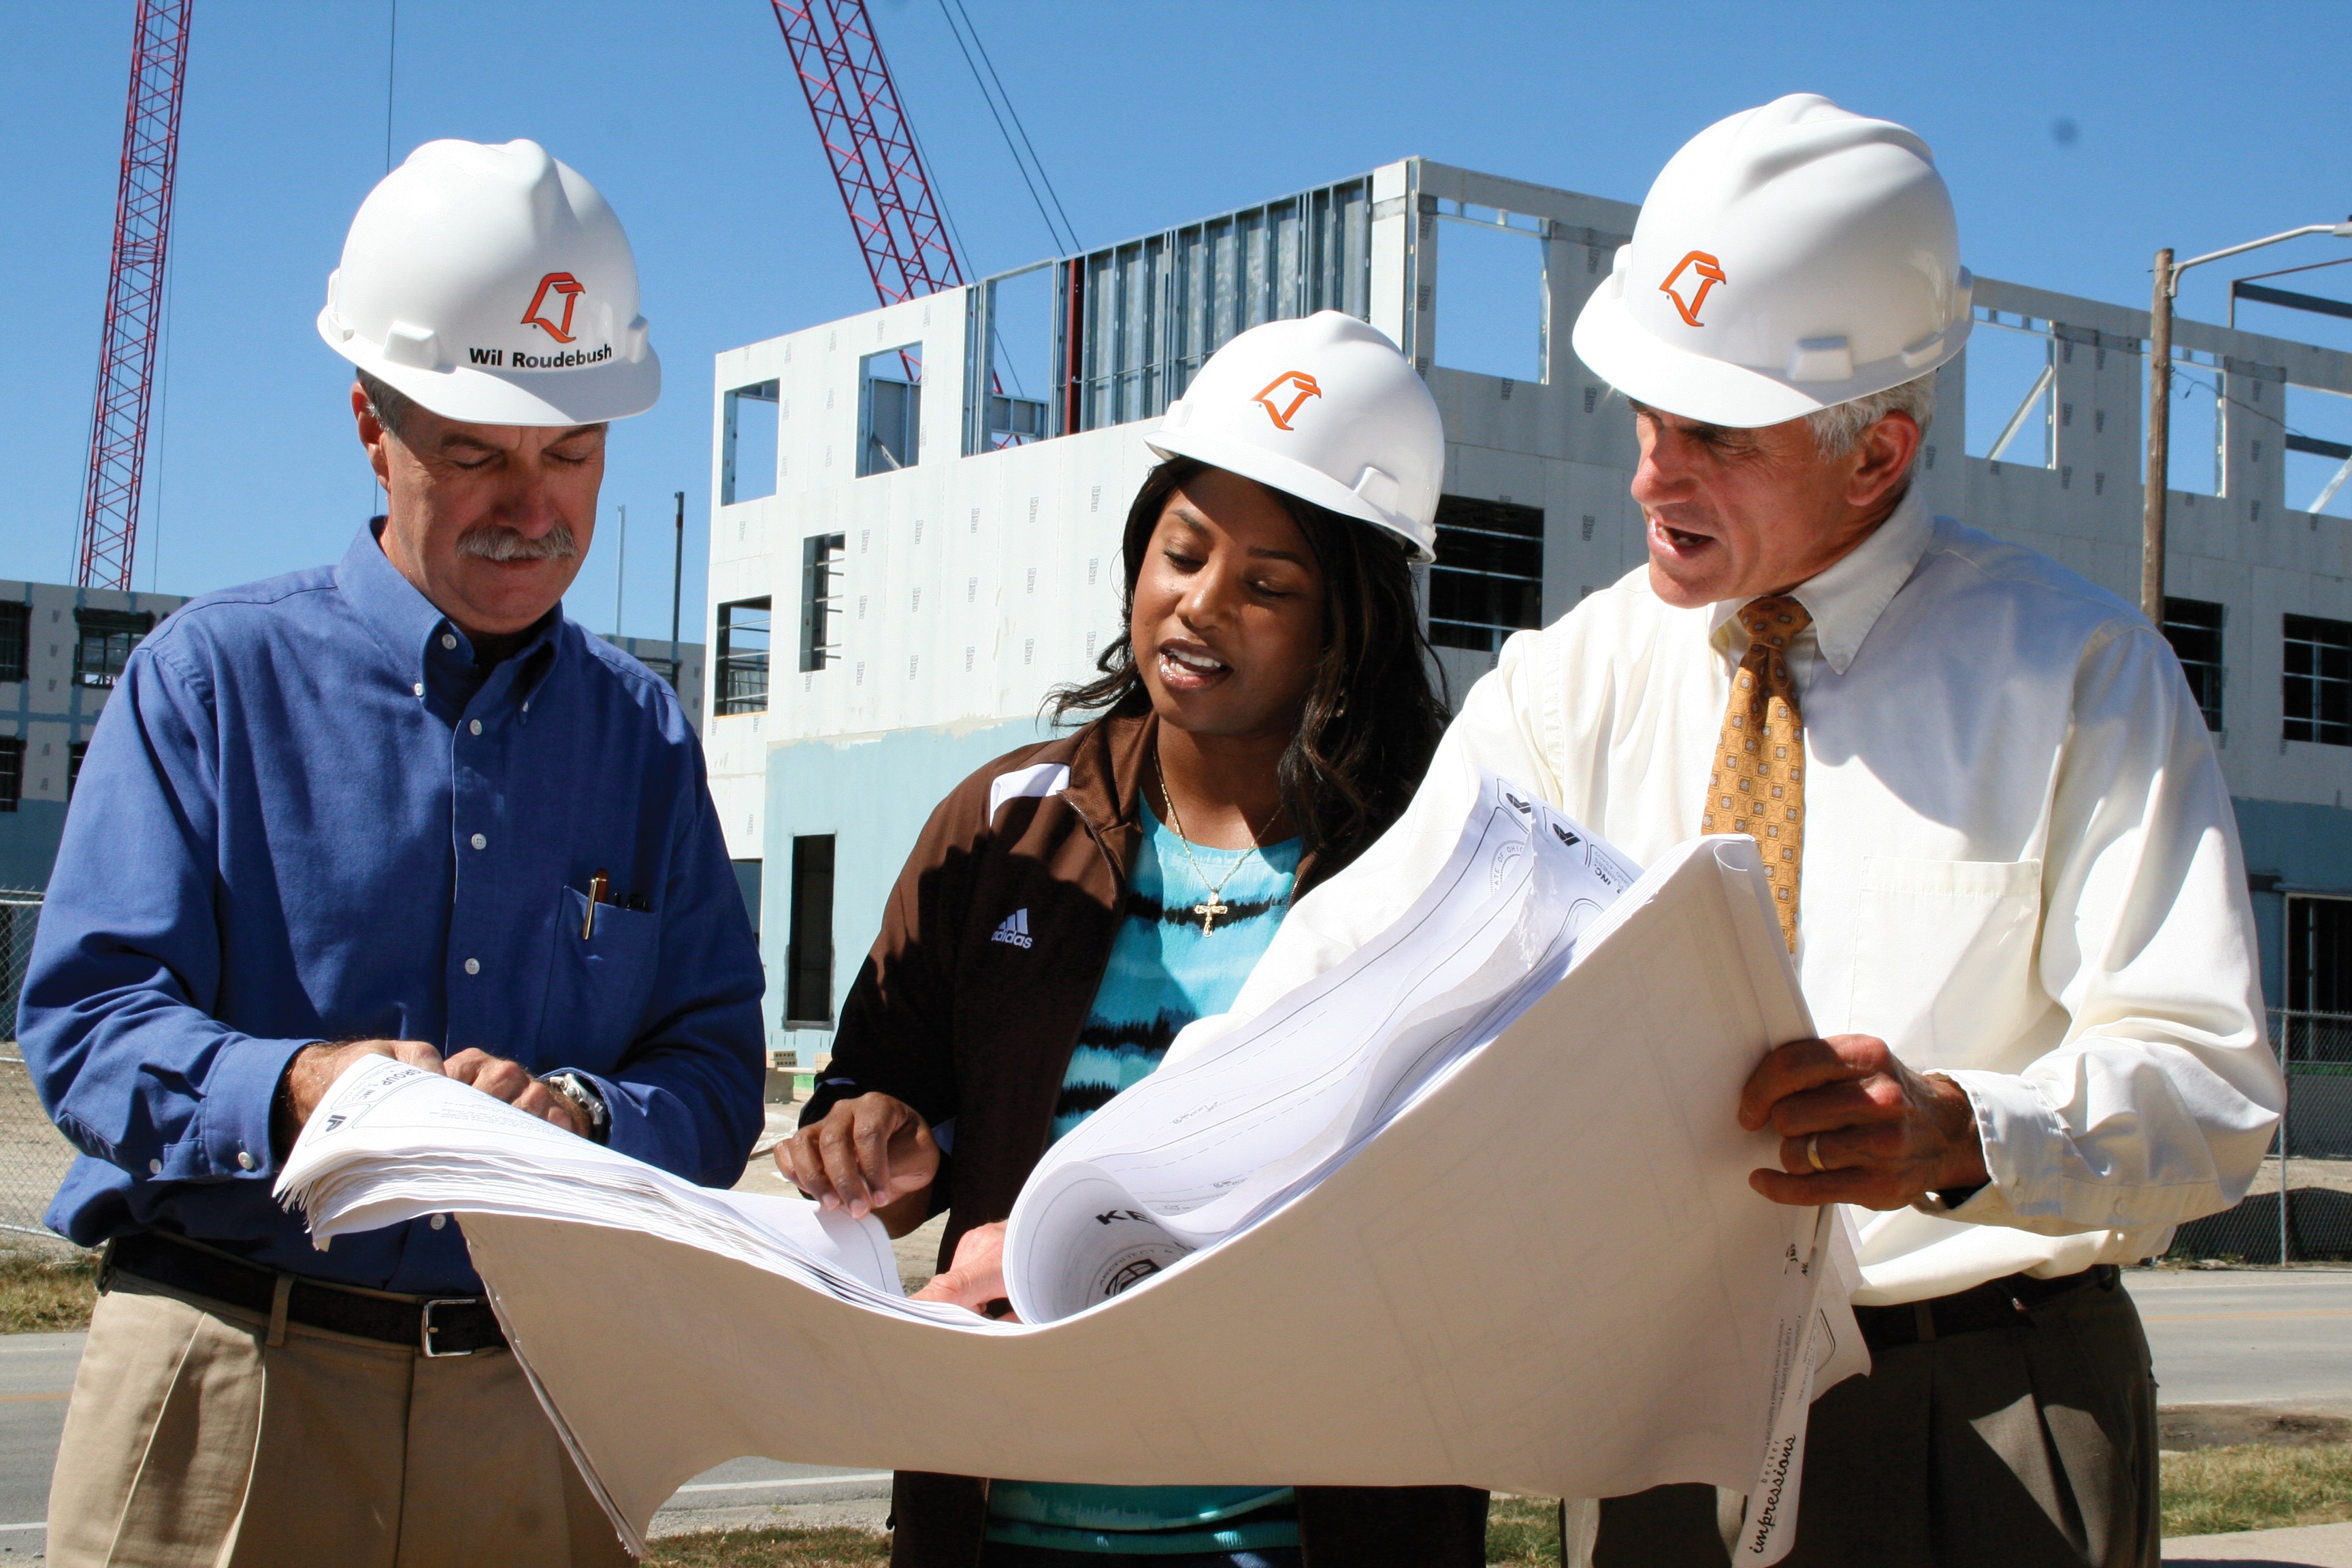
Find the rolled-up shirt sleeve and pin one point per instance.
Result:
(116, 1023)
(2159, 1102)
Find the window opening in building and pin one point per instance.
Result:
(16, 633)
(2194, 464)
(821, 556)
(74, 754)
(2318, 957)
(808, 949)
(2193, 627)
(2318, 680)
(2012, 390)
(105, 643)
(1494, 300)
(2318, 443)
(889, 410)
(750, 436)
(743, 657)
(1011, 345)
(12, 771)
(1488, 579)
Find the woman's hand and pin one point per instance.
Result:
(976, 1277)
(870, 1154)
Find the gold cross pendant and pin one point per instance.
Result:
(1210, 911)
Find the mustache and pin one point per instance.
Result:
(492, 542)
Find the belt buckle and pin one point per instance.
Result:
(424, 1325)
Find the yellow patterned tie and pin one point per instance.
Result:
(1758, 786)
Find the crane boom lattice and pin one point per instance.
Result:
(872, 149)
(134, 294)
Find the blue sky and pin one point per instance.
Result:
(2198, 125)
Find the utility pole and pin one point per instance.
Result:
(677, 579)
(620, 573)
(2159, 401)
(2159, 441)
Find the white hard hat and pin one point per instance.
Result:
(1323, 408)
(494, 286)
(1789, 259)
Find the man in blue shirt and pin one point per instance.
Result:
(395, 806)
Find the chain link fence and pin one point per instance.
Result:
(2299, 1209)
(34, 1155)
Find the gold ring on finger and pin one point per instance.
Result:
(1813, 1153)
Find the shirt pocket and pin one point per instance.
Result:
(1943, 957)
(597, 985)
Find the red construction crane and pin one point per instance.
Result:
(865, 136)
(134, 293)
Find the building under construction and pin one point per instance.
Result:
(919, 508)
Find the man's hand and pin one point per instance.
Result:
(314, 1070)
(518, 1086)
(1886, 1136)
(870, 1154)
(976, 1277)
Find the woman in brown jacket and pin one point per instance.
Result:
(1071, 906)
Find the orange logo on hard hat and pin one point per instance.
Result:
(1302, 387)
(1709, 272)
(562, 283)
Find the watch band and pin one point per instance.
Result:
(585, 1100)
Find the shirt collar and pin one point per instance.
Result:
(1847, 600)
(406, 623)
(387, 602)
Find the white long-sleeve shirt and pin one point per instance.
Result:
(2020, 870)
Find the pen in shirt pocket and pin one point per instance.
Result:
(600, 891)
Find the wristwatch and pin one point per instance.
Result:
(584, 1096)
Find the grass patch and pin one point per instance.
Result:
(45, 1293)
(771, 1548)
(2256, 1486)
(2208, 1491)
(1522, 1532)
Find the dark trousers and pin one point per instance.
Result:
(2025, 1447)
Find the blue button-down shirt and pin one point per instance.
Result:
(307, 814)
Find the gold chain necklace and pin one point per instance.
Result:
(1214, 905)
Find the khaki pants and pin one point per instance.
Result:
(2023, 1447)
(192, 1441)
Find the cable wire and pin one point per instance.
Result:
(391, 62)
(1070, 229)
(1064, 237)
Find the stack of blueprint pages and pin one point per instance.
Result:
(1470, 1207)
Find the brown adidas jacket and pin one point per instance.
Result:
(993, 945)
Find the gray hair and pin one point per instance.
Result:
(391, 407)
(1837, 428)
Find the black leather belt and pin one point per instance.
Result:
(2004, 1303)
(432, 1326)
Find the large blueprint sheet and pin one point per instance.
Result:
(1485, 1221)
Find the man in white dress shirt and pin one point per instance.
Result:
(2000, 844)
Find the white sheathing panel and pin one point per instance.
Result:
(971, 586)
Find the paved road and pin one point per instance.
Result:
(37, 1372)
(2226, 1335)
(2218, 1336)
